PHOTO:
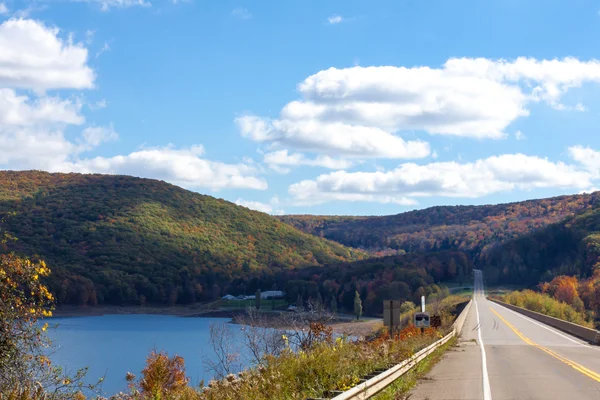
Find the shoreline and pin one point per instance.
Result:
(98, 311)
(342, 324)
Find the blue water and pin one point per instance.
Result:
(113, 345)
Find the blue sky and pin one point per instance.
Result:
(319, 107)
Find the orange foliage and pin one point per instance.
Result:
(163, 375)
(564, 288)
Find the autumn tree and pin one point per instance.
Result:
(163, 377)
(23, 300)
(25, 368)
(564, 288)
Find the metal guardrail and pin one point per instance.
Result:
(376, 384)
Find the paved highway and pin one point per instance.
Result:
(505, 355)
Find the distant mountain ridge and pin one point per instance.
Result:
(125, 240)
(472, 229)
(570, 247)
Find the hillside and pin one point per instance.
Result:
(467, 228)
(125, 240)
(571, 247)
(401, 277)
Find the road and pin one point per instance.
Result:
(505, 355)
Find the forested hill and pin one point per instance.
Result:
(571, 247)
(125, 240)
(468, 228)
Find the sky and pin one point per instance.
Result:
(309, 107)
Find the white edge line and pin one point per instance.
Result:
(487, 393)
(546, 327)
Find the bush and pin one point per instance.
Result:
(547, 305)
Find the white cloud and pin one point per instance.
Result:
(283, 158)
(105, 47)
(335, 19)
(519, 135)
(94, 136)
(98, 105)
(445, 179)
(21, 111)
(587, 157)
(38, 131)
(32, 132)
(183, 167)
(361, 111)
(262, 207)
(3, 9)
(105, 5)
(241, 13)
(33, 56)
(332, 138)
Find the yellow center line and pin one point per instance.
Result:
(595, 376)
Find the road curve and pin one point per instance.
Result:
(505, 355)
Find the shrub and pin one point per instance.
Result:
(547, 305)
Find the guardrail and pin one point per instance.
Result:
(376, 384)
(582, 332)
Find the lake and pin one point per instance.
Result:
(113, 345)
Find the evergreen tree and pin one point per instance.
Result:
(257, 299)
(461, 275)
(357, 305)
(452, 268)
(333, 305)
(299, 302)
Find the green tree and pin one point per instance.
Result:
(334, 306)
(299, 302)
(257, 299)
(406, 307)
(358, 309)
(452, 268)
(461, 275)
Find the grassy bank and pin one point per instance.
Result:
(544, 304)
(403, 385)
(328, 365)
(311, 372)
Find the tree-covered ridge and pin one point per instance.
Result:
(404, 277)
(125, 240)
(570, 247)
(467, 228)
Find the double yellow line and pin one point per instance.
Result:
(595, 376)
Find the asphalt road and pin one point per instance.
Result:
(505, 355)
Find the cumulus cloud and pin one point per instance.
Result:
(93, 136)
(282, 158)
(335, 19)
(445, 179)
(361, 111)
(262, 207)
(184, 167)
(241, 13)
(21, 110)
(335, 138)
(587, 157)
(34, 126)
(33, 56)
